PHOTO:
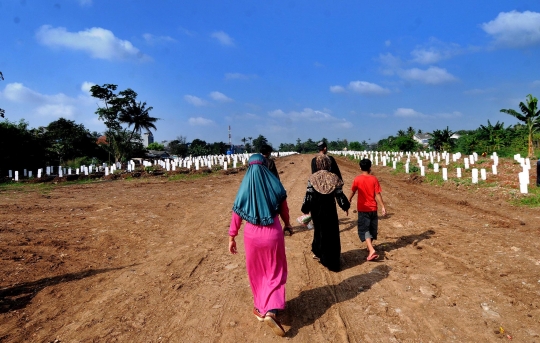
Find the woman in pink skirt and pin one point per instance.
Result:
(260, 201)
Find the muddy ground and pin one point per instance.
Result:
(145, 260)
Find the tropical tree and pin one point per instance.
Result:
(259, 142)
(441, 139)
(401, 133)
(155, 146)
(2, 112)
(411, 131)
(137, 114)
(531, 118)
(492, 134)
(178, 146)
(250, 145)
(121, 108)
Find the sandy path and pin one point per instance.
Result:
(146, 261)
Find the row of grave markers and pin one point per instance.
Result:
(468, 161)
(169, 164)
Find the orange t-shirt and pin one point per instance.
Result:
(367, 186)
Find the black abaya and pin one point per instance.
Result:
(326, 243)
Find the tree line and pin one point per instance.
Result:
(64, 142)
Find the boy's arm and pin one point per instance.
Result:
(352, 195)
(378, 197)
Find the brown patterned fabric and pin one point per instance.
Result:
(324, 181)
(323, 162)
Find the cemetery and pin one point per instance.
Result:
(145, 258)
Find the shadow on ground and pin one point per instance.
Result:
(312, 304)
(17, 297)
(353, 258)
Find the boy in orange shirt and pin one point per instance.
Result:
(369, 194)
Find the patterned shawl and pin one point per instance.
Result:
(260, 194)
(323, 181)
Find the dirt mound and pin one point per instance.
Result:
(414, 179)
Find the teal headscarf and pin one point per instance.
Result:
(260, 194)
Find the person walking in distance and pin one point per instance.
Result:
(266, 151)
(369, 195)
(333, 165)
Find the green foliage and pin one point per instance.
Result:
(79, 161)
(356, 146)
(155, 146)
(259, 142)
(178, 146)
(440, 140)
(122, 108)
(414, 169)
(530, 116)
(20, 148)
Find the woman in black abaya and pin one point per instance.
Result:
(323, 190)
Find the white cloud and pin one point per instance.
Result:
(364, 87)
(408, 113)
(151, 39)
(432, 75)
(387, 42)
(239, 76)
(378, 115)
(536, 83)
(217, 96)
(55, 106)
(200, 121)
(99, 43)
(390, 63)
(85, 2)
(223, 38)
(423, 56)
(308, 115)
(56, 111)
(195, 101)
(85, 87)
(515, 29)
(337, 89)
(318, 64)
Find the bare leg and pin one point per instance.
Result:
(370, 247)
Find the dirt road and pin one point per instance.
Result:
(147, 261)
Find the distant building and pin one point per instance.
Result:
(147, 138)
(422, 138)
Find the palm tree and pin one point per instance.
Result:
(411, 131)
(441, 139)
(530, 116)
(401, 133)
(492, 133)
(2, 111)
(137, 114)
(250, 138)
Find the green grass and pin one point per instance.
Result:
(530, 200)
(434, 179)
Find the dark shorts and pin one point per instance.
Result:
(368, 223)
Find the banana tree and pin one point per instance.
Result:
(530, 116)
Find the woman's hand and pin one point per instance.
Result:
(288, 228)
(232, 246)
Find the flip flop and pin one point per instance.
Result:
(373, 257)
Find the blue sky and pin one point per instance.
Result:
(356, 70)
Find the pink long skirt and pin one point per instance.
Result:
(266, 265)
